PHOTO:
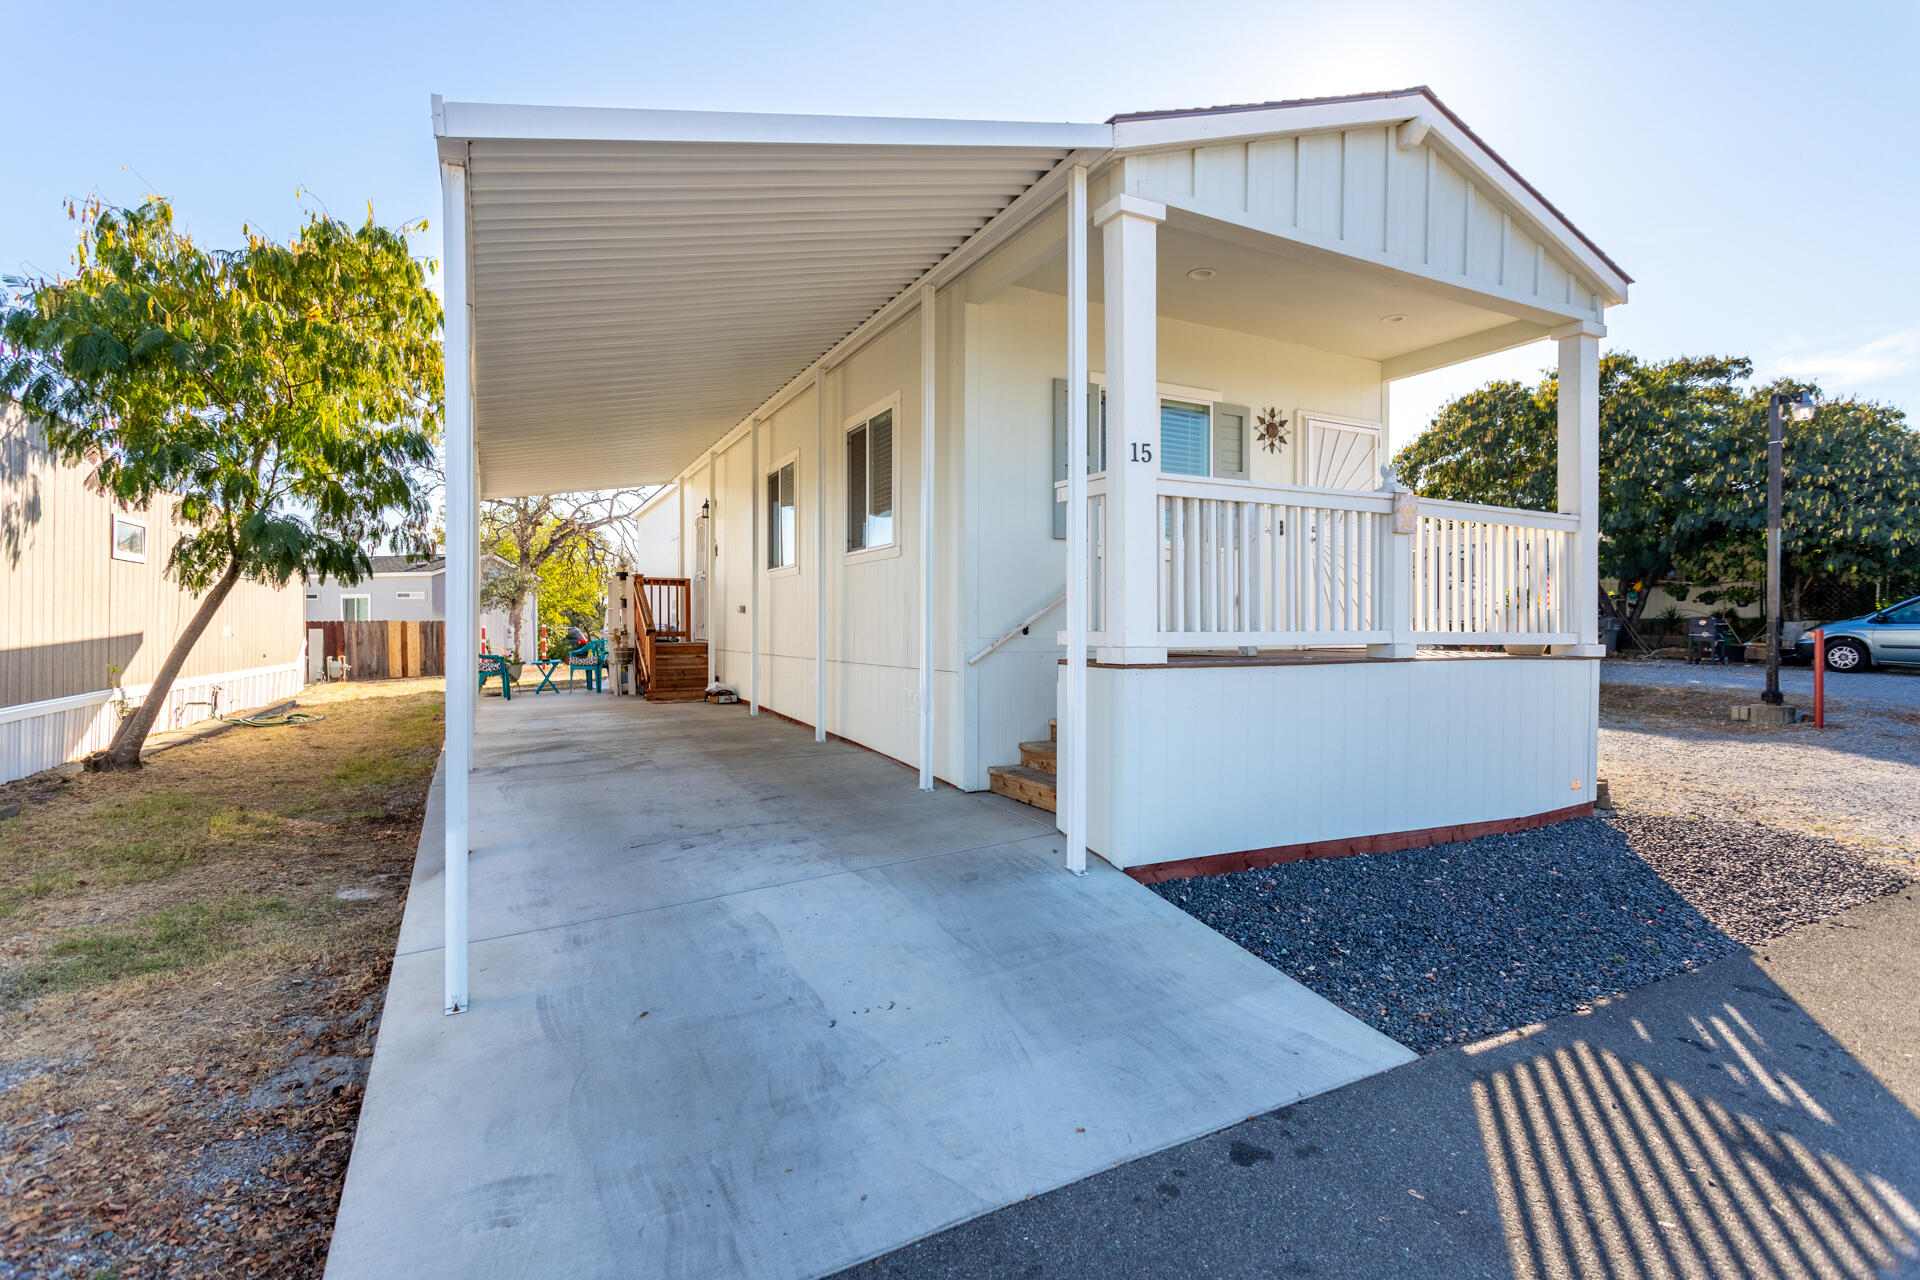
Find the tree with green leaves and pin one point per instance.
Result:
(556, 541)
(1660, 429)
(1683, 478)
(284, 397)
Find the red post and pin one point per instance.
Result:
(1819, 678)
(483, 640)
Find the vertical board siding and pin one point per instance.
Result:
(1358, 188)
(1228, 759)
(75, 622)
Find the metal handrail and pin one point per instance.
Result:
(1020, 628)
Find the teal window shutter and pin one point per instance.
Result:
(1230, 441)
(1096, 442)
(1184, 429)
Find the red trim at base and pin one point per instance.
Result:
(1247, 859)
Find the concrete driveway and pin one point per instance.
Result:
(748, 1005)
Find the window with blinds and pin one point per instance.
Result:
(782, 547)
(1185, 430)
(870, 483)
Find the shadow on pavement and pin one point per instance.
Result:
(1706, 1125)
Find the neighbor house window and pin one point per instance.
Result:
(782, 547)
(356, 609)
(129, 539)
(870, 482)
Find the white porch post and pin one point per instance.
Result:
(1579, 476)
(928, 439)
(820, 554)
(1395, 568)
(1073, 756)
(1131, 228)
(756, 491)
(462, 557)
(712, 553)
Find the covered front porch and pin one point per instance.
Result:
(756, 1006)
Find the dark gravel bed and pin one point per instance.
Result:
(1453, 942)
(1754, 881)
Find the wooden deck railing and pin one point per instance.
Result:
(670, 605)
(1246, 564)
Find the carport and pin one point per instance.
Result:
(758, 1006)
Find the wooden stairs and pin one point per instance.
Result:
(678, 672)
(1033, 780)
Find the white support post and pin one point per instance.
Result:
(1579, 477)
(713, 558)
(820, 554)
(1073, 739)
(929, 386)
(1130, 227)
(462, 508)
(1395, 567)
(756, 494)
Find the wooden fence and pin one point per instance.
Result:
(386, 650)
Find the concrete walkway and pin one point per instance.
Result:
(1754, 1119)
(748, 1005)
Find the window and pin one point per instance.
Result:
(129, 539)
(1184, 437)
(356, 609)
(782, 531)
(870, 482)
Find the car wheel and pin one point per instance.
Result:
(1846, 655)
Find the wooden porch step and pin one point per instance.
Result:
(1053, 731)
(1027, 785)
(1043, 756)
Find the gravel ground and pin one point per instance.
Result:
(1891, 688)
(1857, 780)
(1454, 942)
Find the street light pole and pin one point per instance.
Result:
(1779, 406)
(1776, 442)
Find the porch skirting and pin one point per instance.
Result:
(1248, 859)
(1200, 769)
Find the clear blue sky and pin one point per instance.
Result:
(1754, 166)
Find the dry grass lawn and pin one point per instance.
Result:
(186, 1004)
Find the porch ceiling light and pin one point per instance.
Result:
(1202, 273)
(1395, 318)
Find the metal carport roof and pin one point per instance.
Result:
(642, 280)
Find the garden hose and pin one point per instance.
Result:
(262, 722)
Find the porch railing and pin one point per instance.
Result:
(1257, 565)
(670, 603)
(1249, 565)
(1488, 575)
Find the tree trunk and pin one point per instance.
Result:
(124, 751)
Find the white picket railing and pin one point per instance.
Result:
(1260, 565)
(1490, 575)
(1250, 565)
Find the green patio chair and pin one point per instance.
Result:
(591, 658)
(495, 664)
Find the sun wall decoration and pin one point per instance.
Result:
(1273, 429)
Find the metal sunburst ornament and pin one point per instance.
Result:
(1273, 429)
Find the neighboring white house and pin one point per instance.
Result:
(861, 351)
(405, 589)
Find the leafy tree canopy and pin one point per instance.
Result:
(1683, 474)
(282, 396)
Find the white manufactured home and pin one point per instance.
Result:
(970, 427)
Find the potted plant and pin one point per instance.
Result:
(514, 666)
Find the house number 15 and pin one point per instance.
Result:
(1143, 452)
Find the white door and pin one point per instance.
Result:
(1341, 455)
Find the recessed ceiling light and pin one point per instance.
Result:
(1396, 318)
(1202, 273)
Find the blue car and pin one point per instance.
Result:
(1890, 637)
